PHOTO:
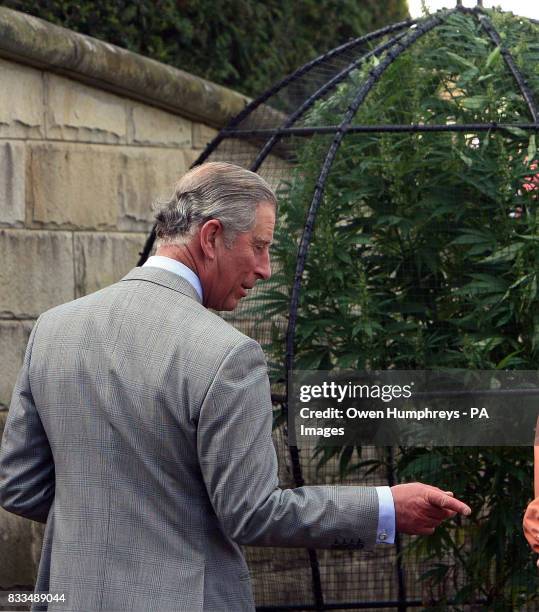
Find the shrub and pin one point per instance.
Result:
(425, 255)
(243, 44)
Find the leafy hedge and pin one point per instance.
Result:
(425, 255)
(243, 44)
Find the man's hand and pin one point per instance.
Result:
(420, 508)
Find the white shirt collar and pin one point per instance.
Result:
(172, 265)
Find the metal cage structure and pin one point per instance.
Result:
(266, 138)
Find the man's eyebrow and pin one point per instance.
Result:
(262, 241)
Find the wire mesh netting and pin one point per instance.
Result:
(406, 168)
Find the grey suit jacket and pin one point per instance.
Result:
(140, 432)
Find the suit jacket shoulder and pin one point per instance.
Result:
(149, 326)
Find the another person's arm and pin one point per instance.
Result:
(531, 517)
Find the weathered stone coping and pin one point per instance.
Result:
(29, 40)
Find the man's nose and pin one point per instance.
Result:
(264, 268)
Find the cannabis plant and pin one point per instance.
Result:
(425, 255)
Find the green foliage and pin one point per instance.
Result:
(244, 44)
(484, 557)
(425, 255)
(426, 246)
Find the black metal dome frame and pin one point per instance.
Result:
(406, 33)
(403, 35)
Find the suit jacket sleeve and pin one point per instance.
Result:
(26, 463)
(239, 467)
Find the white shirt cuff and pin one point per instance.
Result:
(386, 516)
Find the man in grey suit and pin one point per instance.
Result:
(140, 427)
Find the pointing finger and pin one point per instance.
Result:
(442, 500)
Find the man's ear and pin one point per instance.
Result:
(209, 233)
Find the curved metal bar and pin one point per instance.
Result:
(360, 129)
(254, 104)
(309, 225)
(466, 10)
(510, 62)
(294, 451)
(375, 74)
(401, 582)
(147, 248)
(266, 149)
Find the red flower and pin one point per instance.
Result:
(532, 182)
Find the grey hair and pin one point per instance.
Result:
(215, 190)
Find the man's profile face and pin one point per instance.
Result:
(238, 268)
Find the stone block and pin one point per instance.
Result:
(16, 561)
(78, 112)
(36, 272)
(149, 175)
(13, 340)
(12, 179)
(202, 135)
(73, 185)
(104, 258)
(38, 531)
(151, 126)
(21, 101)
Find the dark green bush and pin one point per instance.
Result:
(244, 44)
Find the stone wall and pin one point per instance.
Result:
(90, 135)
